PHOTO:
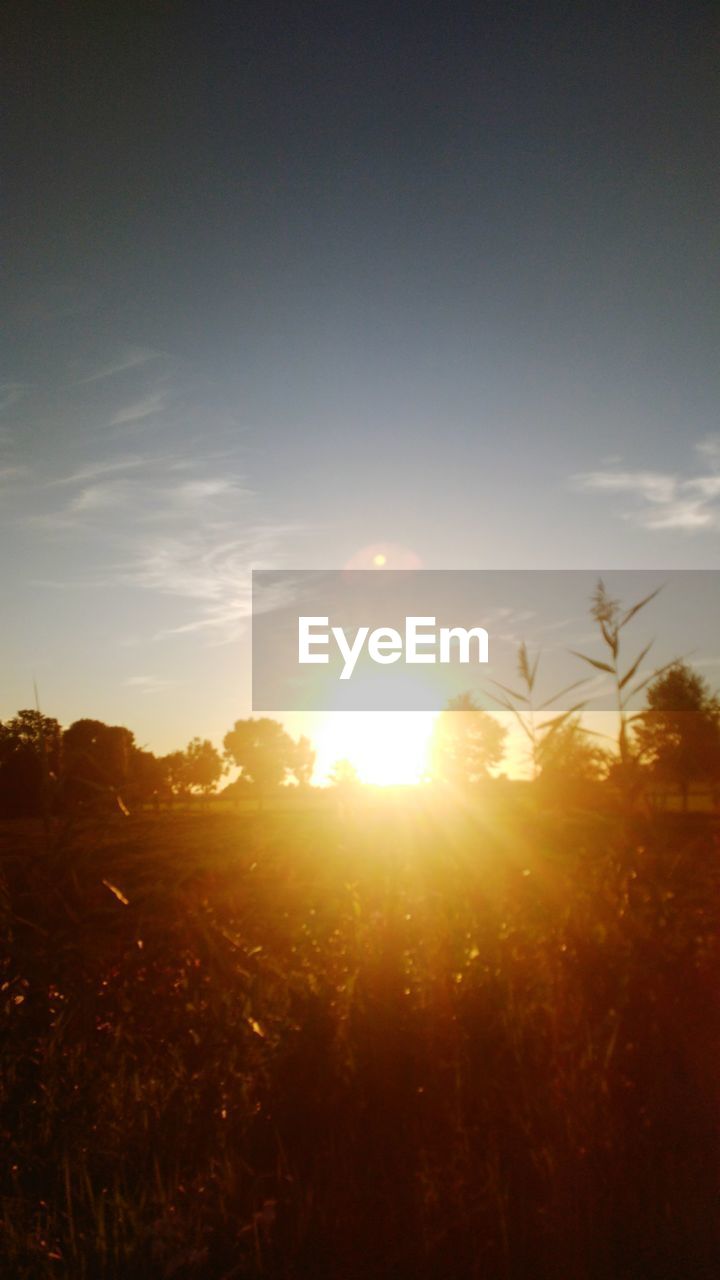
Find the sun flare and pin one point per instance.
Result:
(386, 748)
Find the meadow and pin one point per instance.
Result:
(395, 1037)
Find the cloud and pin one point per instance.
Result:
(149, 684)
(147, 407)
(210, 567)
(97, 497)
(710, 448)
(147, 486)
(97, 470)
(167, 525)
(653, 486)
(129, 358)
(663, 500)
(684, 515)
(199, 490)
(708, 486)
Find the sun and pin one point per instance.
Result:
(384, 555)
(386, 748)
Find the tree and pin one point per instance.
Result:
(98, 756)
(204, 766)
(239, 789)
(569, 762)
(176, 773)
(344, 776)
(147, 777)
(467, 742)
(30, 761)
(33, 730)
(304, 761)
(264, 752)
(678, 735)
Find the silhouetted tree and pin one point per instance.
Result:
(570, 752)
(263, 750)
(97, 759)
(678, 735)
(30, 758)
(148, 779)
(203, 766)
(239, 789)
(175, 766)
(570, 762)
(304, 761)
(467, 742)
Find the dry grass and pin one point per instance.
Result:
(418, 1041)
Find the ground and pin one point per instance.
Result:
(402, 1038)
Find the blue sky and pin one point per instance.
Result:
(285, 287)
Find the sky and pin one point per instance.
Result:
(287, 285)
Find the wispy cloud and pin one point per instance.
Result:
(98, 497)
(173, 528)
(98, 470)
(156, 488)
(138, 410)
(145, 490)
(211, 568)
(652, 486)
(666, 500)
(149, 684)
(710, 448)
(199, 490)
(128, 358)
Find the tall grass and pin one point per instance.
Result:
(429, 1042)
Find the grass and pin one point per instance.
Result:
(411, 1040)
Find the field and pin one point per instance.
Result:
(370, 1041)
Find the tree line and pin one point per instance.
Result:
(44, 767)
(673, 741)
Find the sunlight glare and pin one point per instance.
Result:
(387, 748)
